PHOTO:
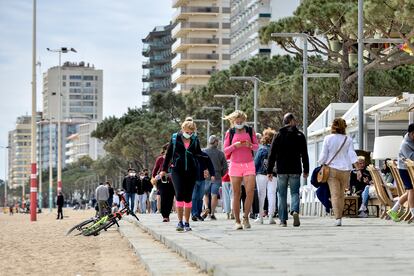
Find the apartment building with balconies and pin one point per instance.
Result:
(202, 46)
(247, 18)
(157, 67)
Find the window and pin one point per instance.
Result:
(64, 83)
(87, 77)
(75, 83)
(88, 84)
(96, 78)
(64, 77)
(75, 90)
(75, 77)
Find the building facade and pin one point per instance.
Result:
(157, 68)
(81, 91)
(82, 144)
(20, 151)
(202, 46)
(247, 18)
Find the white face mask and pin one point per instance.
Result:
(132, 174)
(186, 135)
(239, 126)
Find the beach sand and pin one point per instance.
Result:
(42, 247)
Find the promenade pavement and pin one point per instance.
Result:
(360, 247)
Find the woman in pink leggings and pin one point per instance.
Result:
(240, 142)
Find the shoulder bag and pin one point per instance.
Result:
(323, 173)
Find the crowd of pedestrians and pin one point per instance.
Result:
(189, 180)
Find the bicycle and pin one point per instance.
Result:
(107, 221)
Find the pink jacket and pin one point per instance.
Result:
(242, 154)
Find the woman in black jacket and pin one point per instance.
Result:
(183, 151)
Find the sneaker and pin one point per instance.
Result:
(363, 208)
(165, 220)
(338, 222)
(296, 221)
(194, 218)
(363, 214)
(187, 227)
(283, 223)
(259, 220)
(200, 218)
(228, 215)
(180, 227)
(393, 215)
(213, 217)
(272, 220)
(238, 226)
(205, 213)
(252, 216)
(246, 223)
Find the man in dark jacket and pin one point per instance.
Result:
(131, 184)
(59, 203)
(290, 152)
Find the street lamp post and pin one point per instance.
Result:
(33, 174)
(59, 161)
(255, 81)
(256, 108)
(222, 120)
(235, 96)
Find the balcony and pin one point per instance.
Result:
(181, 59)
(183, 13)
(179, 3)
(186, 88)
(146, 64)
(184, 27)
(181, 74)
(185, 43)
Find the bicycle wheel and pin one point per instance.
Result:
(97, 229)
(81, 226)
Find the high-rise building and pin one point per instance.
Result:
(20, 151)
(157, 68)
(68, 128)
(81, 92)
(247, 18)
(202, 46)
(82, 144)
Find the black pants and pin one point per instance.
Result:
(167, 197)
(60, 212)
(184, 183)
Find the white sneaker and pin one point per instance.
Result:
(363, 215)
(338, 222)
(363, 208)
(259, 220)
(271, 220)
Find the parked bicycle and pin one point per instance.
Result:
(96, 224)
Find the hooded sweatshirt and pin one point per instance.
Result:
(289, 151)
(406, 151)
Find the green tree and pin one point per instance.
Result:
(332, 28)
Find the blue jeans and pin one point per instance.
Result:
(153, 206)
(283, 181)
(227, 196)
(130, 199)
(365, 196)
(197, 198)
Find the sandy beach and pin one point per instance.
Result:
(42, 248)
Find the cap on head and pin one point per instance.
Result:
(288, 118)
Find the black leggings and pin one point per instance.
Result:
(167, 197)
(184, 183)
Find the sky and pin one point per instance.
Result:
(106, 33)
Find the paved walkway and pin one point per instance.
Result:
(360, 247)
